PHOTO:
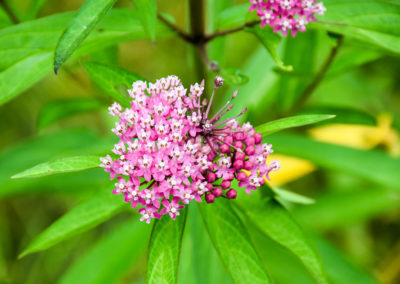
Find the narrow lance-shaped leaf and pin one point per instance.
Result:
(23, 74)
(112, 80)
(123, 246)
(270, 40)
(290, 122)
(81, 25)
(274, 221)
(164, 249)
(57, 110)
(371, 165)
(70, 164)
(232, 243)
(83, 217)
(148, 16)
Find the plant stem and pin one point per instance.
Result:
(197, 28)
(9, 12)
(319, 77)
(233, 30)
(174, 27)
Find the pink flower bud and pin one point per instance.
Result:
(225, 148)
(240, 156)
(230, 176)
(209, 186)
(241, 176)
(225, 184)
(250, 150)
(231, 194)
(238, 144)
(238, 164)
(257, 138)
(239, 136)
(210, 177)
(228, 139)
(248, 165)
(210, 198)
(217, 192)
(250, 141)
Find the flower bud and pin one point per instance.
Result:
(225, 184)
(210, 198)
(231, 194)
(217, 192)
(257, 138)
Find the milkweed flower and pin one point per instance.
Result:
(285, 15)
(172, 151)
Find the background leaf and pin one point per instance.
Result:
(70, 164)
(345, 159)
(85, 216)
(232, 243)
(164, 249)
(148, 16)
(273, 220)
(57, 110)
(113, 80)
(81, 25)
(289, 122)
(123, 246)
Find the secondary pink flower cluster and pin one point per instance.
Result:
(284, 15)
(170, 152)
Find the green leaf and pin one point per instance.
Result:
(232, 243)
(57, 110)
(164, 249)
(290, 196)
(81, 25)
(65, 165)
(340, 269)
(273, 220)
(85, 216)
(233, 16)
(58, 145)
(375, 22)
(338, 209)
(371, 165)
(148, 16)
(122, 246)
(23, 74)
(270, 40)
(234, 77)
(4, 19)
(34, 9)
(290, 122)
(112, 80)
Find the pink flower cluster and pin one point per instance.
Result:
(169, 151)
(284, 15)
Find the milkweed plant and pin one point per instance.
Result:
(188, 180)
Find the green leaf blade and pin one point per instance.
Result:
(70, 164)
(232, 243)
(344, 159)
(112, 80)
(290, 122)
(273, 220)
(83, 217)
(123, 245)
(164, 249)
(148, 16)
(80, 27)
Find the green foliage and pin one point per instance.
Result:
(289, 122)
(270, 40)
(57, 110)
(112, 80)
(85, 216)
(123, 245)
(79, 28)
(164, 249)
(272, 219)
(340, 158)
(232, 243)
(147, 10)
(70, 164)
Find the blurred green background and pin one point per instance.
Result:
(354, 221)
